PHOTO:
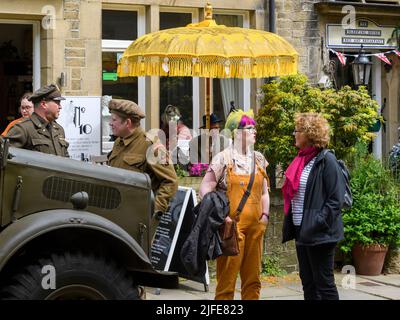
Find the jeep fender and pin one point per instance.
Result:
(16, 235)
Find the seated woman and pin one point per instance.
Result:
(169, 119)
(172, 126)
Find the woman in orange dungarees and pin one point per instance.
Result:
(230, 172)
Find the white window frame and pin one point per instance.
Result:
(35, 48)
(195, 80)
(245, 88)
(108, 45)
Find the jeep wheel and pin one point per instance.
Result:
(71, 276)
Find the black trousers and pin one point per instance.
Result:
(316, 271)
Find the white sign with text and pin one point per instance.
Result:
(81, 120)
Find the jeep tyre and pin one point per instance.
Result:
(78, 276)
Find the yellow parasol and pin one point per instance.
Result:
(209, 50)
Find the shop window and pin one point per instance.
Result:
(119, 29)
(119, 25)
(177, 91)
(16, 68)
(227, 92)
(118, 88)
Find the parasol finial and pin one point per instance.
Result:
(208, 11)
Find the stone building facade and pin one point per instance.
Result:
(73, 43)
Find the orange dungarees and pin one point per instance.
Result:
(251, 232)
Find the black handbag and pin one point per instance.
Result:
(228, 230)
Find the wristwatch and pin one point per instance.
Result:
(157, 215)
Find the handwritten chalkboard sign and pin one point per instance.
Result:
(172, 231)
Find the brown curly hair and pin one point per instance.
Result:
(315, 127)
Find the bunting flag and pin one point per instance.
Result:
(341, 57)
(382, 57)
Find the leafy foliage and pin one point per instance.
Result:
(349, 112)
(271, 266)
(180, 172)
(375, 215)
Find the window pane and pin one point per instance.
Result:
(177, 91)
(117, 88)
(119, 25)
(120, 88)
(174, 20)
(227, 91)
(228, 20)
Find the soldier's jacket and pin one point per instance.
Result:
(33, 134)
(130, 153)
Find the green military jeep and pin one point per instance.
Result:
(74, 230)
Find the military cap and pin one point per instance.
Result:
(126, 108)
(50, 92)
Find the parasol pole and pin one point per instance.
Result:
(208, 16)
(208, 103)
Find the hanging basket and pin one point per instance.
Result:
(375, 127)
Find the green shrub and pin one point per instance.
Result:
(180, 172)
(271, 266)
(349, 112)
(374, 217)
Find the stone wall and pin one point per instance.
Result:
(82, 44)
(392, 261)
(273, 246)
(298, 23)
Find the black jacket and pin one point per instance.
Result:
(323, 200)
(203, 242)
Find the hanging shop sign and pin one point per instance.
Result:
(80, 117)
(364, 32)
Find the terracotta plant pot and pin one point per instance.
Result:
(368, 260)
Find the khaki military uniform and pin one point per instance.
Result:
(130, 153)
(36, 134)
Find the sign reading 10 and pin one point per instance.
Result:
(83, 128)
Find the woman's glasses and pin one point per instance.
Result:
(295, 131)
(250, 129)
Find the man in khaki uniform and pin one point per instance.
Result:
(41, 132)
(130, 149)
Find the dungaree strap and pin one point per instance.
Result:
(247, 192)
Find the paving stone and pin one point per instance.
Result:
(383, 287)
(349, 294)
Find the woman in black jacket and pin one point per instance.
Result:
(313, 197)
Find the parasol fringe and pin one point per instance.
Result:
(211, 67)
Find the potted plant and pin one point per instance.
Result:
(372, 224)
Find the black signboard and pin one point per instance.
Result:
(172, 231)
